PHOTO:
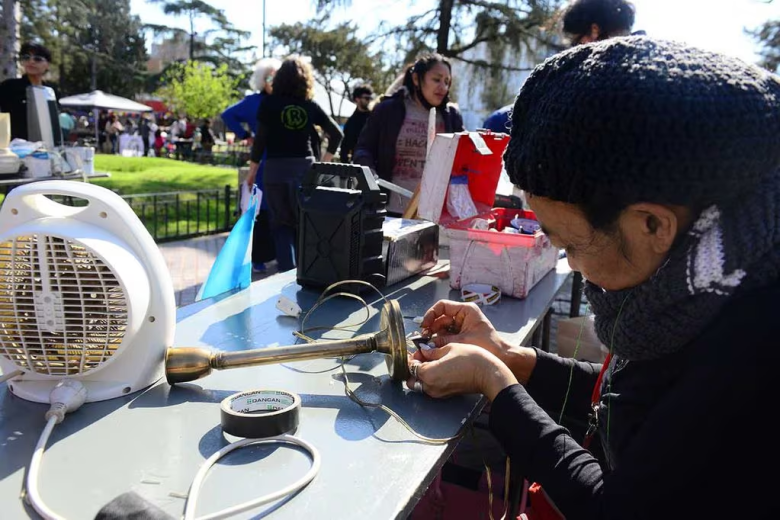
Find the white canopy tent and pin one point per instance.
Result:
(341, 108)
(97, 99)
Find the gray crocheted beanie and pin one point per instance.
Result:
(644, 120)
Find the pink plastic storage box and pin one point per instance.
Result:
(512, 262)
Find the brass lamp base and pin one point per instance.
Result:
(190, 363)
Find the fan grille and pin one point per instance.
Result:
(62, 310)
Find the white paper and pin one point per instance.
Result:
(245, 197)
(431, 129)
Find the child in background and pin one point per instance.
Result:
(159, 142)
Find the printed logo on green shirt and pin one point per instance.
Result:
(294, 117)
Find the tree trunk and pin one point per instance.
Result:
(62, 78)
(93, 70)
(192, 37)
(329, 92)
(9, 44)
(445, 22)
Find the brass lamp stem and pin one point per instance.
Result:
(184, 364)
(316, 350)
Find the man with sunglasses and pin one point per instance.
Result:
(35, 59)
(362, 96)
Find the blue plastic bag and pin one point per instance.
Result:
(232, 268)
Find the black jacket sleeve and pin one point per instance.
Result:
(350, 139)
(330, 127)
(367, 148)
(455, 120)
(556, 379)
(258, 145)
(4, 96)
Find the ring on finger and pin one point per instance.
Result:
(413, 369)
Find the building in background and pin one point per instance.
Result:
(479, 91)
(169, 50)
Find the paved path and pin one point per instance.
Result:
(190, 261)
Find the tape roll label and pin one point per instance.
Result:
(261, 401)
(260, 413)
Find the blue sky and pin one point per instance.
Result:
(716, 25)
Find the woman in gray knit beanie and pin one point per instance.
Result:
(656, 167)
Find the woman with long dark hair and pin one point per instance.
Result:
(395, 139)
(285, 124)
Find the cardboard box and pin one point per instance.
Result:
(409, 247)
(512, 262)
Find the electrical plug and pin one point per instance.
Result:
(289, 307)
(66, 397)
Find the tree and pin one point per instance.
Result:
(221, 44)
(768, 37)
(116, 49)
(493, 38)
(337, 55)
(9, 38)
(454, 27)
(94, 43)
(198, 89)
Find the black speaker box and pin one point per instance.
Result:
(340, 226)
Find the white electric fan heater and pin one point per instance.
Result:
(85, 293)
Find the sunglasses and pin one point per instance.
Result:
(33, 57)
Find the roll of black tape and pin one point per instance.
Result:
(260, 413)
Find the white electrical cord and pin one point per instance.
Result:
(192, 500)
(67, 396)
(10, 375)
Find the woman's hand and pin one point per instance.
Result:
(460, 369)
(250, 178)
(456, 322)
(327, 157)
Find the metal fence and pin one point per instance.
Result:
(232, 155)
(180, 214)
(185, 214)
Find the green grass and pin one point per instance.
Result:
(134, 175)
(131, 175)
(150, 175)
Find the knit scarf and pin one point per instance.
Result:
(730, 249)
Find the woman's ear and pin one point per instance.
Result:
(415, 79)
(595, 32)
(657, 224)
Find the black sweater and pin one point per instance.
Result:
(352, 129)
(686, 436)
(285, 127)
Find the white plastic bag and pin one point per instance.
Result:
(244, 198)
(459, 201)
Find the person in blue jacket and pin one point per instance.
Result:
(498, 121)
(241, 119)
